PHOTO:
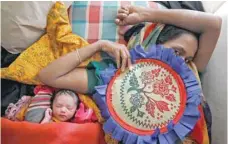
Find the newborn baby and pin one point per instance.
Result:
(64, 104)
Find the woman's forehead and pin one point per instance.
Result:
(186, 42)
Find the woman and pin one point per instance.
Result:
(68, 76)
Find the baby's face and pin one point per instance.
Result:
(64, 107)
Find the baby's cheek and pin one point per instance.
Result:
(72, 112)
(56, 111)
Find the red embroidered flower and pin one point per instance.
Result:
(161, 88)
(148, 77)
(170, 97)
(168, 80)
(174, 88)
(155, 72)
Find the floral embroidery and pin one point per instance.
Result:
(137, 100)
(170, 97)
(148, 77)
(163, 87)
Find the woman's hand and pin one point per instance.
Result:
(129, 15)
(119, 52)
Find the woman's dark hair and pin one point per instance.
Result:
(64, 91)
(170, 32)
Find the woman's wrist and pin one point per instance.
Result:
(102, 44)
(149, 14)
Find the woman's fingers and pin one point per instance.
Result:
(129, 64)
(124, 59)
(120, 22)
(125, 7)
(123, 11)
(121, 16)
(120, 53)
(117, 55)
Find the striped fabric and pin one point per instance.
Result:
(39, 103)
(95, 20)
(41, 100)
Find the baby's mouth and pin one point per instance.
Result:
(62, 116)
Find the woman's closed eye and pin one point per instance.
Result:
(177, 52)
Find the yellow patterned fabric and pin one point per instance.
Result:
(20, 116)
(58, 41)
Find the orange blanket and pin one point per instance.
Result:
(50, 133)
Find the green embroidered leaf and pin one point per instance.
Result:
(132, 109)
(131, 89)
(140, 114)
(133, 81)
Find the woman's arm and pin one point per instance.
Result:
(207, 25)
(63, 72)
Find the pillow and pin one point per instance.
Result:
(95, 20)
(24, 23)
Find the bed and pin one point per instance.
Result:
(79, 25)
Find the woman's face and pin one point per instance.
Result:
(184, 45)
(64, 107)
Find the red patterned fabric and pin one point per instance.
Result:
(200, 133)
(84, 115)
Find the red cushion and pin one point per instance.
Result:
(50, 133)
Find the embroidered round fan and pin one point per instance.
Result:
(155, 101)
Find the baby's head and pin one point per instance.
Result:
(64, 104)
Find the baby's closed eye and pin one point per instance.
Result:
(70, 107)
(58, 105)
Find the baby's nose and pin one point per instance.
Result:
(63, 109)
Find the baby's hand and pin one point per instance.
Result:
(48, 113)
(47, 116)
